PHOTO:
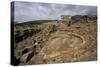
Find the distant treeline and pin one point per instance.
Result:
(35, 22)
(78, 17)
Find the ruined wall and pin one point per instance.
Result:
(31, 46)
(65, 19)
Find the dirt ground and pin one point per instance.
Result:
(69, 44)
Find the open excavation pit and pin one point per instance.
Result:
(59, 45)
(61, 42)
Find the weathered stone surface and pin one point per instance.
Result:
(69, 40)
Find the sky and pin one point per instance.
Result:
(30, 11)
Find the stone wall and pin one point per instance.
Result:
(65, 20)
(31, 46)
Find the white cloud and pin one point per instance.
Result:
(27, 11)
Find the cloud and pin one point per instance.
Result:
(28, 11)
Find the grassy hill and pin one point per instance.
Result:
(36, 22)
